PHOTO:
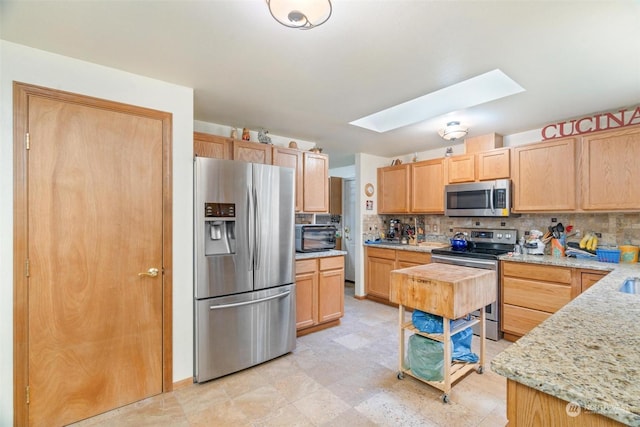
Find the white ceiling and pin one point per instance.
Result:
(573, 58)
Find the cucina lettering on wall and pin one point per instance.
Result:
(595, 123)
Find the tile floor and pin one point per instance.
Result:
(342, 376)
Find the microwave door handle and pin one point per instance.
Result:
(493, 209)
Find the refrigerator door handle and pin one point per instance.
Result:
(238, 304)
(258, 231)
(250, 239)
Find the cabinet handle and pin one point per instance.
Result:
(152, 272)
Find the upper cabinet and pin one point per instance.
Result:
(544, 176)
(393, 189)
(461, 168)
(427, 179)
(335, 195)
(610, 178)
(251, 152)
(316, 182)
(205, 145)
(494, 164)
(481, 143)
(291, 158)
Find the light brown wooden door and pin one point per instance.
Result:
(95, 221)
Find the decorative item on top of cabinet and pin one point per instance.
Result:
(319, 293)
(316, 182)
(544, 176)
(206, 145)
(263, 138)
(427, 186)
(610, 174)
(291, 158)
(246, 136)
(393, 189)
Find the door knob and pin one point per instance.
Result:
(152, 272)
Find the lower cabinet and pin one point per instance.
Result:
(319, 292)
(380, 262)
(531, 293)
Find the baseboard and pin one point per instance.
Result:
(182, 383)
(317, 328)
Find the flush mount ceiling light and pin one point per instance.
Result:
(453, 131)
(477, 90)
(301, 14)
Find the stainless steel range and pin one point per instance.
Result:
(484, 246)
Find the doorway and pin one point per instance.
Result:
(348, 208)
(92, 234)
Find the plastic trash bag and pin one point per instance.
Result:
(460, 342)
(425, 358)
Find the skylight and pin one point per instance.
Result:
(468, 93)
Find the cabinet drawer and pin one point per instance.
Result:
(549, 297)
(306, 266)
(414, 257)
(519, 320)
(331, 263)
(381, 253)
(537, 272)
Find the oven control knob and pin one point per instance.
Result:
(507, 236)
(499, 235)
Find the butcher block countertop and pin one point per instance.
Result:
(445, 290)
(319, 254)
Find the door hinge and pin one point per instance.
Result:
(26, 140)
(27, 396)
(26, 268)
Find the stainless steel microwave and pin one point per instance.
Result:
(485, 198)
(315, 237)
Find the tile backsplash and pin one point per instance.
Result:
(616, 228)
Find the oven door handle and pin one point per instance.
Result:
(466, 262)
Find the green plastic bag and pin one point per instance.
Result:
(425, 358)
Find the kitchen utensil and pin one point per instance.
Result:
(459, 242)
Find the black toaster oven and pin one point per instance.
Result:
(315, 237)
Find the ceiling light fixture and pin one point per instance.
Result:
(301, 14)
(453, 131)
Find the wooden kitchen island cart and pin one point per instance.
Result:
(449, 291)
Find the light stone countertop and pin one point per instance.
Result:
(319, 254)
(410, 248)
(589, 351)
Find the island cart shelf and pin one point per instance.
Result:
(451, 292)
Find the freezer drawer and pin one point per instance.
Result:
(239, 331)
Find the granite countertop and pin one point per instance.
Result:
(320, 254)
(426, 247)
(589, 351)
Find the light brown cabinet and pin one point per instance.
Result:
(289, 157)
(319, 293)
(589, 278)
(379, 264)
(335, 195)
(544, 177)
(427, 186)
(206, 145)
(531, 293)
(461, 168)
(316, 182)
(610, 178)
(393, 189)
(481, 143)
(252, 152)
(494, 164)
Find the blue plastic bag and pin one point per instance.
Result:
(460, 342)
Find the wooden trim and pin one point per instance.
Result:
(182, 384)
(21, 92)
(361, 298)
(317, 328)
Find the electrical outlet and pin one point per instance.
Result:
(554, 220)
(598, 235)
(578, 233)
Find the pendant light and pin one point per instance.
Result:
(300, 14)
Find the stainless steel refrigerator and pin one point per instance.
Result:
(244, 265)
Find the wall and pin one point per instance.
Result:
(32, 66)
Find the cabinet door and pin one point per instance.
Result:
(206, 145)
(610, 171)
(378, 280)
(393, 189)
(335, 195)
(588, 279)
(494, 164)
(427, 186)
(251, 152)
(291, 158)
(520, 320)
(306, 293)
(544, 176)
(331, 295)
(461, 168)
(316, 182)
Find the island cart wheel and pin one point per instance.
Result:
(480, 369)
(400, 375)
(445, 398)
